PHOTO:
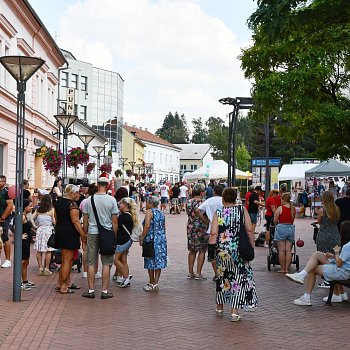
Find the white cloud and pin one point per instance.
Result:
(172, 55)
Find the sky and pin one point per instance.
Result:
(174, 55)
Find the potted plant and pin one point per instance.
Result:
(90, 167)
(52, 161)
(143, 176)
(77, 156)
(118, 173)
(106, 168)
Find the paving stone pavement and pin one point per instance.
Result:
(180, 316)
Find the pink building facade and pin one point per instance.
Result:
(22, 33)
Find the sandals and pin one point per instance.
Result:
(74, 286)
(235, 318)
(219, 313)
(68, 291)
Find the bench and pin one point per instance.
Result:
(331, 289)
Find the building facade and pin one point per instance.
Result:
(99, 99)
(161, 158)
(22, 33)
(133, 150)
(193, 156)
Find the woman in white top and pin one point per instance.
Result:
(44, 221)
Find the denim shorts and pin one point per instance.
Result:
(183, 200)
(285, 232)
(164, 200)
(331, 272)
(253, 217)
(123, 247)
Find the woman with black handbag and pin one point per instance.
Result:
(235, 284)
(154, 243)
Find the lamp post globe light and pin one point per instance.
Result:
(21, 68)
(98, 150)
(122, 162)
(85, 139)
(237, 103)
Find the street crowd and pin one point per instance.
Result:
(88, 226)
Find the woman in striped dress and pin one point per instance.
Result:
(235, 285)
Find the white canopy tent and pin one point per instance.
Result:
(294, 172)
(214, 170)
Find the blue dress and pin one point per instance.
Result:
(157, 232)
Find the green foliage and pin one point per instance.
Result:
(218, 137)
(174, 129)
(300, 62)
(243, 157)
(200, 132)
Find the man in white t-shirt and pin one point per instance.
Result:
(209, 207)
(183, 196)
(164, 196)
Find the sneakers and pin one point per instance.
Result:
(302, 302)
(30, 284)
(40, 272)
(46, 272)
(106, 295)
(266, 245)
(337, 298)
(25, 287)
(125, 283)
(148, 287)
(98, 275)
(84, 274)
(235, 318)
(199, 277)
(6, 264)
(324, 284)
(87, 294)
(115, 277)
(215, 278)
(295, 277)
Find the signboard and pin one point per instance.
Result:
(262, 162)
(70, 101)
(259, 171)
(40, 152)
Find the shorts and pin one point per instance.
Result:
(331, 272)
(285, 232)
(163, 200)
(92, 248)
(183, 200)
(253, 217)
(175, 201)
(268, 222)
(5, 231)
(124, 247)
(25, 249)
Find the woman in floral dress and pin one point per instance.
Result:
(154, 229)
(235, 285)
(197, 236)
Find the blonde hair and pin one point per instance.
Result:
(130, 203)
(332, 210)
(285, 198)
(71, 189)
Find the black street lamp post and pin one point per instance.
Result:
(86, 139)
(65, 121)
(21, 68)
(132, 164)
(122, 163)
(238, 103)
(98, 150)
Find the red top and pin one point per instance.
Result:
(286, 216)
(270, 201)
(247, 199)
(278, 201)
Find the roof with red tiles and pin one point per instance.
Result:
(145, 135)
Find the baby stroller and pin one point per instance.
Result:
(272, 258)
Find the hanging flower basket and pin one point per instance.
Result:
(106, 168)
(52, 161)
(128, 173)
(118, 173)
(90, 167)
(77, 156)
(143, 176)
(149, 175)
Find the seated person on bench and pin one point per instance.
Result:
(333, 267)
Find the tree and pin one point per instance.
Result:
(243, 157)
(174, 129)
(218, 137)
(299, 61)
(200, 133)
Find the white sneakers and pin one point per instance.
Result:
(98, 275)
(337, 298)
(6, 264)
(296, 278)
(302, 301)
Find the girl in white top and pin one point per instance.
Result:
(44, 221)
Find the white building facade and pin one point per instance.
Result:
(22, 33)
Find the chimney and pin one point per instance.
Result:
(146, 129)
(140, 127)
(134, 126)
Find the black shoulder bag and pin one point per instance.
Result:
(51, 242)
(148, 247)
(245, 249)
(106, 238)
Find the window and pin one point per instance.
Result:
(161, 158)
(75, 81)
(83, 110)
(64, 79)
(193, 167)
(183, 166)
(83, 83)
(166, 159)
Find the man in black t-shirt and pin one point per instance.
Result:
(344, 206)
(175, 199)
(253, 205)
